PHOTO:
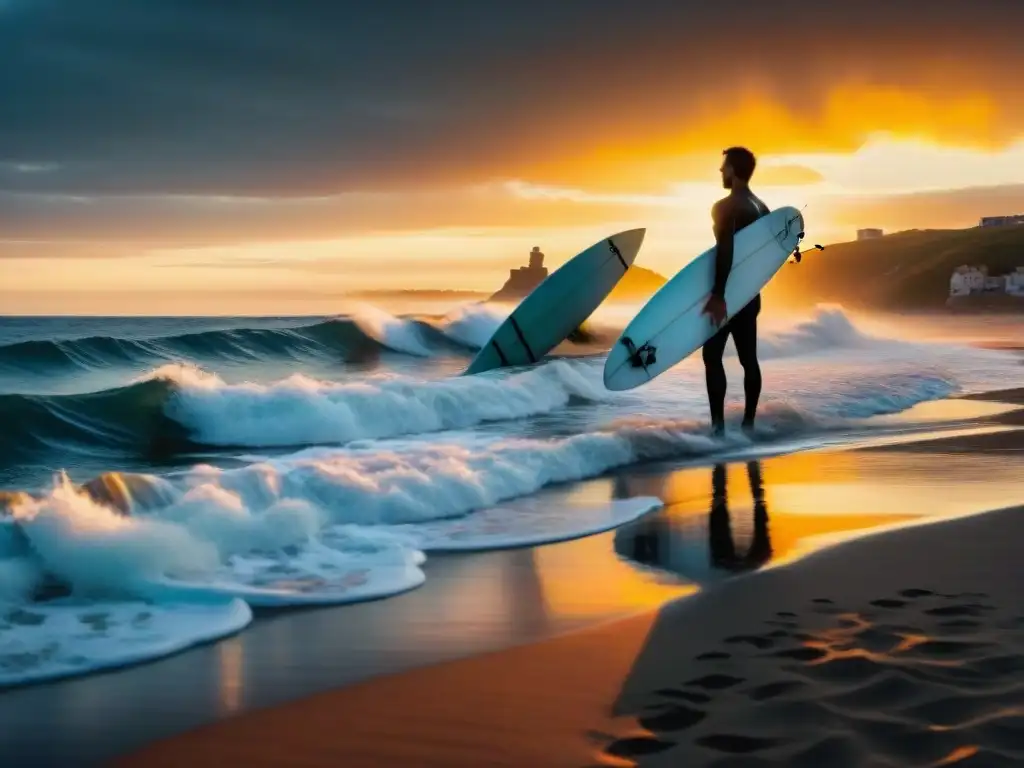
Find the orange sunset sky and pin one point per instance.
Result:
(216, 157)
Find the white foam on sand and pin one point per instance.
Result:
(204, 536)
(526, 523)
(66, 637)
(310, 529)
(340, 524)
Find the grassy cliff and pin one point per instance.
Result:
(904, 270)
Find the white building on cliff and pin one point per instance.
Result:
(967, 280)
(973, 280)
(1015, 282)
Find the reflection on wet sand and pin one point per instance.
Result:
(814, 498)
(231, 655)
(723, 549)
(549, 692)
(680, 544)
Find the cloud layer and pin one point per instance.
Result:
(312, 98)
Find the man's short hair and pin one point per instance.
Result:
(742, 161)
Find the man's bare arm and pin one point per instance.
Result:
(723, 216)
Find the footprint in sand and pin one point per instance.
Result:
(888, 603)
(714, 656)
(913, 593)
(675, 718)
(758, 641)
(948, 672)
(637, 746)
(692, 696)
(772, 690)
(736, 744)
(716, 682)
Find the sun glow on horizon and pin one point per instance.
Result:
(911, 148)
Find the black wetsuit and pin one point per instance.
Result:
(730, 215)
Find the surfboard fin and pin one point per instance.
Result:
(642, 356)
(648, 355)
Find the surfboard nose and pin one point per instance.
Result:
(629, 242)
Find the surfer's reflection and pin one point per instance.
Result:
(723, 548)
(677, 543)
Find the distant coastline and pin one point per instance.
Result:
(637, 283)
(417, 293)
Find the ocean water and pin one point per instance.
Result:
(161, 477)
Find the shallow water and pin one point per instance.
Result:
(479, 602)
(296, 461)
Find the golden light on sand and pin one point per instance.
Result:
(616, 587)
(231, 655)
(610, 584)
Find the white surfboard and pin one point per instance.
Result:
(560, 304)
(672, 324)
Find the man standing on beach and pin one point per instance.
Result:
(731, 214)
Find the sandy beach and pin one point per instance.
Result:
(904, 647)
(529, 600)
(832, 661)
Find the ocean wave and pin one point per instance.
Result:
(299, 527)
(126, 420)
(828, 329)
(180, 408)
(150, 564)
(826, 363)
(282, 519)
(132, 566)
(362, 335)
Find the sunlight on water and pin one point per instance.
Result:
(217, 464)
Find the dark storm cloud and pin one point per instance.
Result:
(301, 97)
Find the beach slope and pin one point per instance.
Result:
(904, 648)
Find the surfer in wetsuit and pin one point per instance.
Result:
(731, 214)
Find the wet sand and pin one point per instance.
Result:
(1003, 442)
(710, 528)
(899, 649)
(903, 648)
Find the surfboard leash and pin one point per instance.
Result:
(797, 253)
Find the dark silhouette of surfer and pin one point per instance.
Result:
(649, 541)
(723, 548)
(729, 215)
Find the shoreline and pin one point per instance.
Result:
(618, 691)
(554, 694)
(334, 650)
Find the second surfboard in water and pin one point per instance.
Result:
(560, 304)
(671, 326)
